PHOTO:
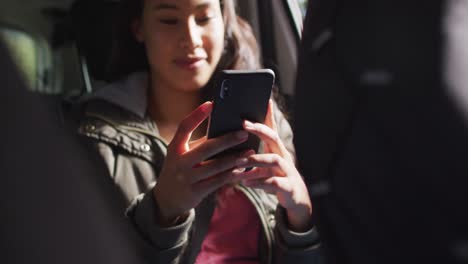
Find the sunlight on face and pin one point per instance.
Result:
(184, 41)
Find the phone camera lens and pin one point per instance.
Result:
(225, 89)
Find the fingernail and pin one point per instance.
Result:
(248, 124)
(242, 161)
(242, 134)
(207, 107)
(249, 152)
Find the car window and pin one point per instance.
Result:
(24, 53)
(33, 57)
(303, 6)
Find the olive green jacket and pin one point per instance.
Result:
(115, 119)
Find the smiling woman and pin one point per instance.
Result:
(181, 40)
(239, 47)
(149, 124)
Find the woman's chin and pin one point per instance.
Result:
(194, 84)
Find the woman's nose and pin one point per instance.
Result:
(191, 36)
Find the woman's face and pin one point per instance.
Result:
(184, 40)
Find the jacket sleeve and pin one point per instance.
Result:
(160, 245)
(290, 246)
(294, 247)
(168, 244)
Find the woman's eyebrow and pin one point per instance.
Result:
(164, 6)
(203, 5)
(172, 6)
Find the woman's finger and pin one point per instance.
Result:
(269, 160)
(213, 146)
(188, 125)
(212, 167)
(270, 121)
(270, 117)
(253, 174)
(207, 186)
(270, 185)
(195, 143)
(267, 134)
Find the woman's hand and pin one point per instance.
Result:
(276, 173)
(186, 178)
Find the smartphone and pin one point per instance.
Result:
(240, 95)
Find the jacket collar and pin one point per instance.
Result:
(129, 93)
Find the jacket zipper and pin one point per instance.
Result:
(252, 196)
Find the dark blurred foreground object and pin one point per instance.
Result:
(380, 137)
(56, 205)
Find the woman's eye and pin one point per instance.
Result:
(204, 20)
(168, 21)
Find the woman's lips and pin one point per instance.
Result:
(189, 63)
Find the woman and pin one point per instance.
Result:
(187, 209)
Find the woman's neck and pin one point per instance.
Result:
(169, 106)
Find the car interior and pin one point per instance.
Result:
(60, 49)
(62, 46)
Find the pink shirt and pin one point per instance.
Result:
(233, 232)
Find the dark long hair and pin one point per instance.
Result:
(128, 55)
